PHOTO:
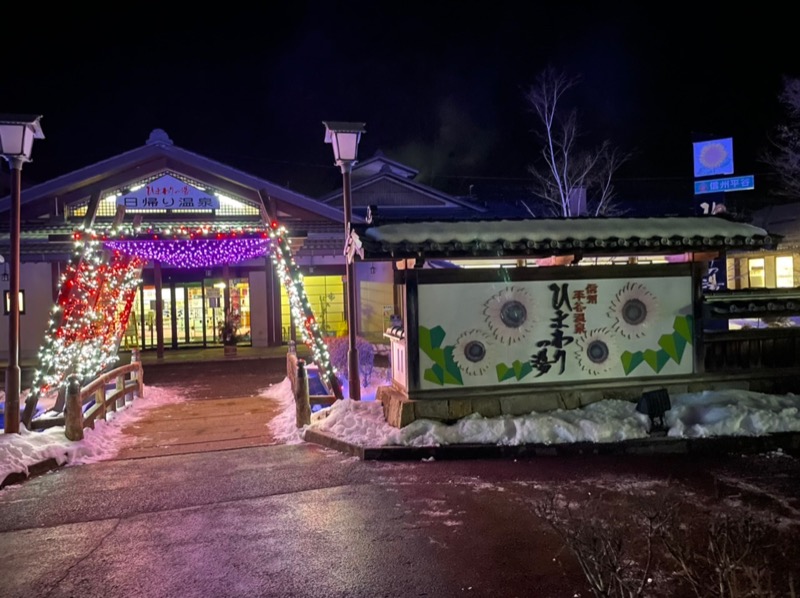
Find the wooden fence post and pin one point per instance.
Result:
(301, 399)
(73, 410)
(138, 374)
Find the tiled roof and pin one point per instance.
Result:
(550, 236)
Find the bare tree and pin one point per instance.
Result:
(783, 156)
(617, 560)
(658, 551)
(573, 181)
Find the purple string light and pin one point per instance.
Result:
(193, 253)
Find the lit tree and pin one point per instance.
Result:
(568, 177)
(784, 153)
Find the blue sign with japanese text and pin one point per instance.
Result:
(737, 183)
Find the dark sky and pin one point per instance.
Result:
(439, 85)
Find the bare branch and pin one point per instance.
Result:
(565, 169)
(784, 154)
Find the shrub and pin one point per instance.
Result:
(338, 347)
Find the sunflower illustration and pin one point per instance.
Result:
(471, 350)
(596, 352)
(713, 155)
(509, 315)
(633, 308)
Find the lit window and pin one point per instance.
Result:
(784, 271)
(756, 270)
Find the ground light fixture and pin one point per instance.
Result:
(344, 138)
(17, 132)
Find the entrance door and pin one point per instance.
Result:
(192, 314)
(195, 294)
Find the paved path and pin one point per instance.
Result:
(223, 409)
(200, 426)
(304, 521)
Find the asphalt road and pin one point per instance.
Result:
(305, 521)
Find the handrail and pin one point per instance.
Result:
(129, 381)
(102, 401)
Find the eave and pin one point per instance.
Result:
(541, 238)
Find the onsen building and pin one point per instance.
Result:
(166, 193)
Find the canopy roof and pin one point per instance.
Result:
(547, 237)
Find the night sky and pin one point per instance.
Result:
(440, 86)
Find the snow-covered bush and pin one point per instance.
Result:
(338, 347)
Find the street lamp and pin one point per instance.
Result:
(17, 132)
(344, 138)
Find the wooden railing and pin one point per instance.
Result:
(108, 392)
(127, 382)
(297, 373)
(756, 349)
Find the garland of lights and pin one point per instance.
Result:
(302, 313)
(99, 286)
(194, 253)
(89, 316)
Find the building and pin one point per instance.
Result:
(161, 188)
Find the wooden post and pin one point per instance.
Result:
(120, 385)
(138, 374)
(73, 411)
(301, 399)
(100, 403)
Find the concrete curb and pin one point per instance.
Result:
(788, 442)
(17, 477)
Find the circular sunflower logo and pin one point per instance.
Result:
(471, 351)
(509, 315)
(596, 352)
(633, 308)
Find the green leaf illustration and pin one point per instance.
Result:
(430, 338)
(631, 360)
(444, 369)
(656, 359)
(683, 326)
(518, 369)
(673, 344)
(504, 372)
(434, 374)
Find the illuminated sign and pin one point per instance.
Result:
(168, 193)
(713, 158)
(737, 183)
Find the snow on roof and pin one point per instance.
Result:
(571, 228)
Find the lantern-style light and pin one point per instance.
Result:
(344, 138)
(17, 132)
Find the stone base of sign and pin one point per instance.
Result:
(399, 409)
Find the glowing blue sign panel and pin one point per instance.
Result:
(712, 158)
(737, 183)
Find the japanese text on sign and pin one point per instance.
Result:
(168, 193)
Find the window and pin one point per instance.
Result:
(756, 271)
(784, 271)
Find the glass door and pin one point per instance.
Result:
(197, 313)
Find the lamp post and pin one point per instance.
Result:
(344, 138)
(17, 132)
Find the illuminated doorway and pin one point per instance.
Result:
(191, 314)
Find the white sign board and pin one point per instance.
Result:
(485, 334)
(168, 193)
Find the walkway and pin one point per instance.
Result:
(223, 409)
